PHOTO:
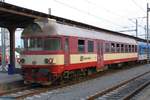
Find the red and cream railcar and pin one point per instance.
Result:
(52, 49)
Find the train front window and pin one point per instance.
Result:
(37, 44)
(52, 44)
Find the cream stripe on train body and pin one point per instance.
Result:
(74, 58)
(115, 56)
(39, 59)
(82, 58)
(59, 59)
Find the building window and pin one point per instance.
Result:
(112, 47)
(90, 46)
(107, 47)
(81, 45)
(122, 48)
(118, 48)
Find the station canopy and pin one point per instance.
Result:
(18, 16)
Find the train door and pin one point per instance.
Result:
(66, 51)
(100, 53)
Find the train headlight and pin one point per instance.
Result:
(22, 60)
(18, 60)
(48, 61)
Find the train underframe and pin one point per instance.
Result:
(45, 77)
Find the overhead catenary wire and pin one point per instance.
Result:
(138, 24)
(118, 15)
(97, 17)
(108, 11)
(87, 13)
(142, 9)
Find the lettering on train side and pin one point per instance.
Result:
(84, 58)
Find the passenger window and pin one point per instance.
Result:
(90, 46)
(132, 48)
(126, 48)
(129, 48)
(122, 48)
(135, 48)
(107, 48)
(112, 47)
(118, 48)
(81, 45)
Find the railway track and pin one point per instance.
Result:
(22, 94)
(27, 91)
(124, 90)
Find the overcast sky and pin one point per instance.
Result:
(114, 15)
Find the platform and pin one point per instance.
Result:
(8, 82)
(5, 78)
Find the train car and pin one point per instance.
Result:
(142, 51)
(6, 56)
(6, 59)
(53, 50)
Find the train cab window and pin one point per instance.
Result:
(25, 43)
(118, 48)
(113, 47)
(34, 44)
(90, 46)
(81, 46)
(122, 48)
(126, 48)
(37, 44)
(107, 47)
(52, 44)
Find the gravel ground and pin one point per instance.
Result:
(83, 90)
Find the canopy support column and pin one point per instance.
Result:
(11, 68)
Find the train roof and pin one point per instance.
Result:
(67, 30)
(143, 45)
(19, 14)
